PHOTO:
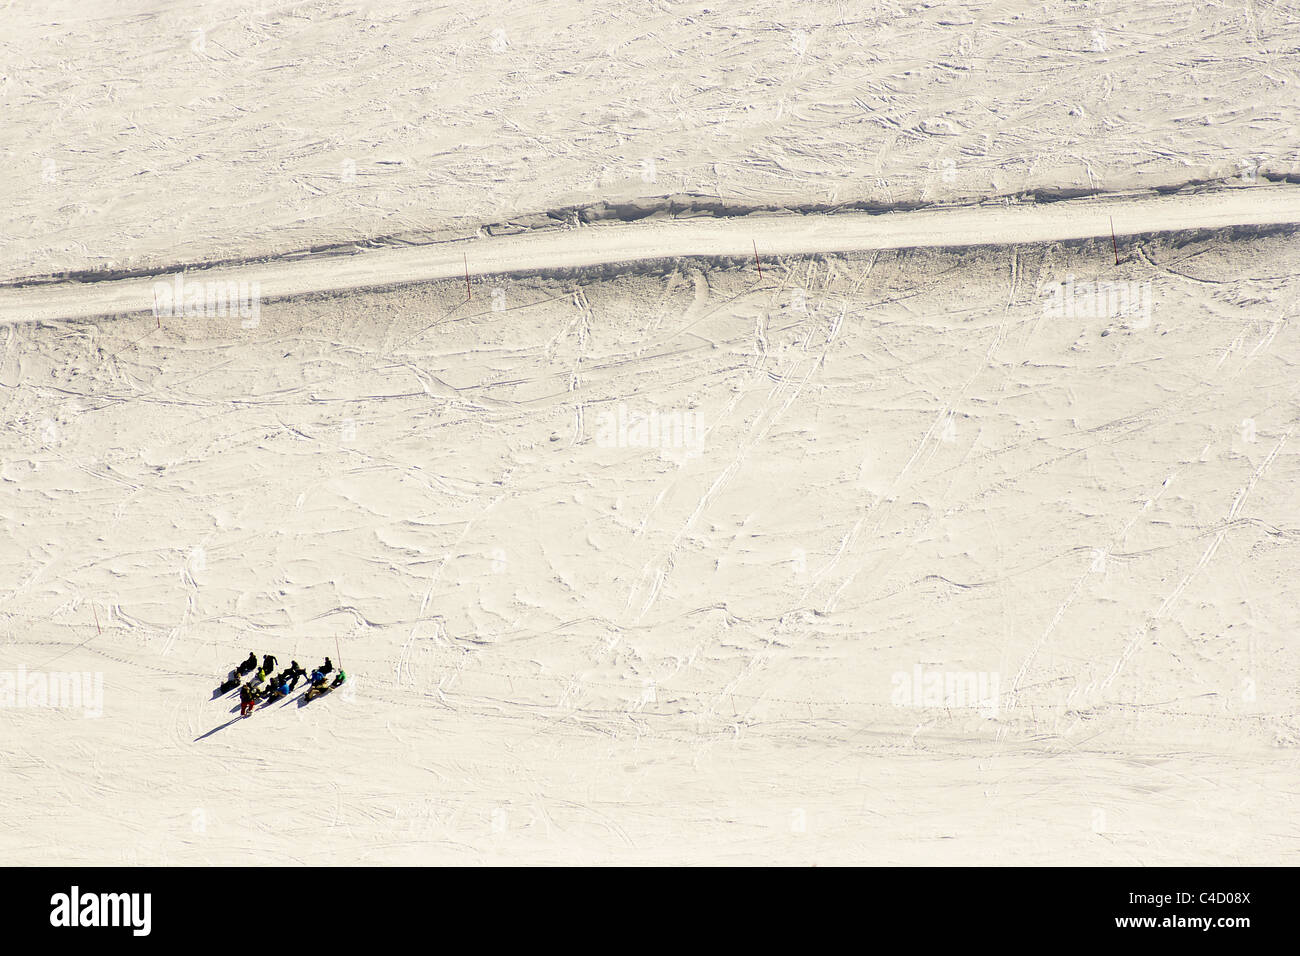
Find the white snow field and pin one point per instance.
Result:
(810, 536)
(626, 568)
(144, 133)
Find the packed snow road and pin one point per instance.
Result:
(554, 250)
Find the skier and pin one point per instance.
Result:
(320, 684)
(317, 685)
(247, 699)
(327, 666)
(293, 673)
(275, 691)
(248, 665)
(269, 662)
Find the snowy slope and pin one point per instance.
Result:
(144, 133)
(637, 556)
(576, 640)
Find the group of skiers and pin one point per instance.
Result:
(280, 685)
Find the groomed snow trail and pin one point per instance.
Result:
(608, 244)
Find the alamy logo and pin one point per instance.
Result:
(947, 689)
(102, 909)
(182, 297)
(655, 429)
(55, 689)
(1099, 300)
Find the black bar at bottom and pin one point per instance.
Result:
(272, 906)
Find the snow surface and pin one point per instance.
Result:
(149, 133)
(568, 648)
(654, 241)
(571, 638)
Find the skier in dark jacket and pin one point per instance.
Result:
(275, 691)
(247, 700)
(294, 673)
(248, 665)
(269, 662)
(327, 666)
